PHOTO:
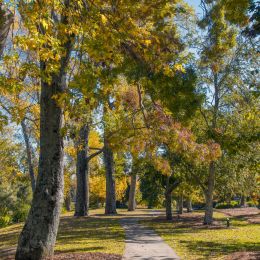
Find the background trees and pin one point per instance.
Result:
(137, 90)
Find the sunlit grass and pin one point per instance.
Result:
(209, 243)
(87, 234)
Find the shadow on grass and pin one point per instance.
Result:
(208, 249)
(84, 234)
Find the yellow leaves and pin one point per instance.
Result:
(71, 151)
(168, 71)
(121, 186)
(103, 19)
(179, 67)
(44, 23)
(147, 42)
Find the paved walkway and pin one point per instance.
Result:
(144, 244)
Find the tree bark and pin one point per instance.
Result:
(38, 236)
(208, 217)
(39, 233)
(6, 19)
(243, 201)
(82, 193)
(68, 202)
(110, 180)
(132, 201)
(29, 154)
(189, 205)
(168, 199)
(180, 204)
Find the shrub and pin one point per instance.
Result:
(251, 203)
(20, 213)
(5, 220)
(225, 205)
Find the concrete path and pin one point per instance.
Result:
(144, 244)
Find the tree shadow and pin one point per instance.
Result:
(211, 249)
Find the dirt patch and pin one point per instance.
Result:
(251, 214)
(244, 256)
(72, 256)
(87, 256)
(187, 220)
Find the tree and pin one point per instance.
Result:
(6, 20)
(37, 239)
(218, 22)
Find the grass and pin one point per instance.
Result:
(194, 243)
(87, 234)
(99, 233)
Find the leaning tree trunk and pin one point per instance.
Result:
(189, 205)
(29, 154)
(168, 199)
(180, 204)
(38, 236)
(6, 19)
(131, 201)
(110, 207)
(82, 194)
(208, 217)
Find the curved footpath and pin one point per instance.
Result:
(144, 244)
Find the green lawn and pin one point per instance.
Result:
(91, 234)
(198, 242)
(191, 240)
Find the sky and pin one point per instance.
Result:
(194, 3)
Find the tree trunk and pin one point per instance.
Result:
(29, 154)
(6, 19)
(168, 200)
(110, 180)
(208, 217)
(131, 201)
(82, 193)
(39, 233)
(189, 205)
(180, 204)
(68, 202)
(243, 201)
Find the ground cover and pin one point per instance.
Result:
(97, 233)
(191, 240)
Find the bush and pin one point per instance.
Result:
(225, 205)
(20, 213)
(251, 203)
(5, 220)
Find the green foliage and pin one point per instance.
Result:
(226, 205)
(151, 186)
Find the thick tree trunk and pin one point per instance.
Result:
(29, 154)
(189, 205)
(110, 180)
(168, 200)
(208, 217)
(131, 201)
(82, 194)
(39, 233)
(180, 204)
(6, 19)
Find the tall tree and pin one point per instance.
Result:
(38, 236)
